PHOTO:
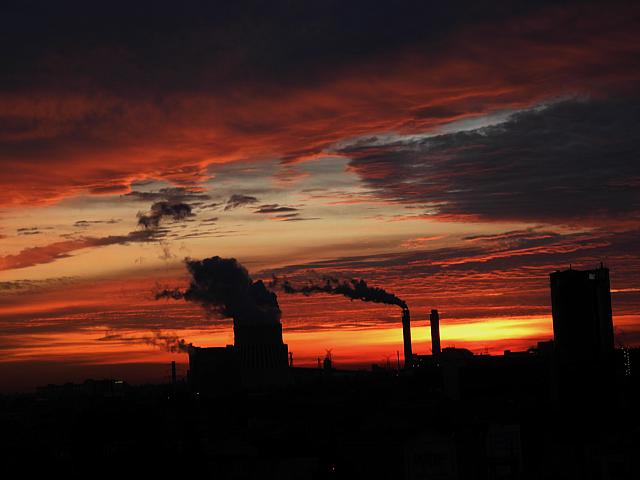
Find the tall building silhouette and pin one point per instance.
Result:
(434, 321)
(406, 337)
(583, 368)
(582, 319)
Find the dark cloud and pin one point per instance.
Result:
(28, 231)
(170, 48)
(207, 234)
(274, 208)
(164, 210)
(532, 235)
(23, 286)
(294, 217)
(211, 206)
(238, 200)
(170, 194)
(282, 213)
(88, 223)
(571, 162)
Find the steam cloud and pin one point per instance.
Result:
(224, 289)
(355, 289)
(170, 343)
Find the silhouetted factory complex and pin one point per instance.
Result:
(566, 408)
(582, 326)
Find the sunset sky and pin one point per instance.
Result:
(454, 153)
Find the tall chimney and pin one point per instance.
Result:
(406, 336)
(434, 320)
(173, 373)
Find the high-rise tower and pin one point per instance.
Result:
(434, 321)
(582, 320)
(406, 337)
(583, 336)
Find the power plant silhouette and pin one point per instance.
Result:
(582, 325)
(259, 357)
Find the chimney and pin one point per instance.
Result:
(434, 320)
(406, 336)
(173, 373)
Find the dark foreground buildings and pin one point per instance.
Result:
(563, 410)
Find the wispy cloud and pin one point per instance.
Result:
(239, 200)
(274, 208)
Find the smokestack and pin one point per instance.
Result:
(434, 320)
(173, 373)
(356, 289)
(406, 337)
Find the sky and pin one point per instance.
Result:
(453, 153)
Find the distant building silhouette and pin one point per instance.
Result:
(327, 363)
(406, 337)
(434, 321)
(213, 369)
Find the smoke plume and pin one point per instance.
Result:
(355, 289)
(224, 289)
(170, 343)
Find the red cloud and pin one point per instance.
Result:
(31, 256)
(59, 143)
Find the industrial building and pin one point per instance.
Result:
(258, 358)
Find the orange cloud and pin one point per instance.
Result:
(99, 140)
